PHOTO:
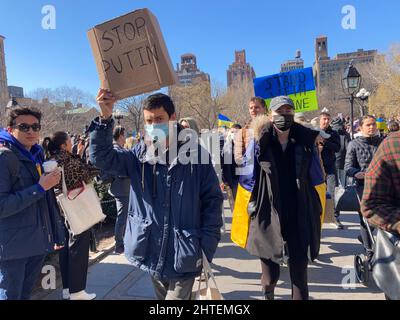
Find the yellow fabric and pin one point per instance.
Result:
(224, 123)
(381, 125)
(39, 169)
(240, 218)
(321, 190)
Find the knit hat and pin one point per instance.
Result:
(337, 124)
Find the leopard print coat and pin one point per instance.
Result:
(75, 169)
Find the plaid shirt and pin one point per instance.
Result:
(381, 198)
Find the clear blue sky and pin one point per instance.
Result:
(270, 31)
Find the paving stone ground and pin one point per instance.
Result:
(331, 277)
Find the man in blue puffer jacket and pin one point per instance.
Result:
(30, 222)
(175, 207)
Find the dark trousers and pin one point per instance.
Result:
(234, 188)
(298, 263)
(232, 191)
(18, 277)
(74, 262)
(120, 223)
(176, 289)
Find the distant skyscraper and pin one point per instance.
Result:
(3, 77)
(327, 69)
(240, 70)
(16, 92)
(188, 73)
(296, 63)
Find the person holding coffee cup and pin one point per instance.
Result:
(50, 166)
(30, 222)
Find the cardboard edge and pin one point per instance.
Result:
(121, 16)
(99, 64)
(164, 48)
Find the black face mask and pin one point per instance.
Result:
(283, 121)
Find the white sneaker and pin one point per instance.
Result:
(65, 294)
(82, 295)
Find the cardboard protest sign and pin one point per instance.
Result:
(297, 84)
(131, 55)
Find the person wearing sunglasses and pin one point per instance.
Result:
(30, 222)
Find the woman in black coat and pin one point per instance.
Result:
(359, 155)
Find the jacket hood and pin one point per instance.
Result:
(260, 125)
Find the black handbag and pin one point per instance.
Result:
(386, 263)
(346, 197)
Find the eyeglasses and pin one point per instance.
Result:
(24, 127)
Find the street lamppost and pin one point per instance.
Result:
(363, 95)
(351, 82)
(118, 116)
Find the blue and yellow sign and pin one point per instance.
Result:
(297, 84)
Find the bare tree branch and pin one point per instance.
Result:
(133, 106)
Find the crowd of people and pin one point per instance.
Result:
(170, 211)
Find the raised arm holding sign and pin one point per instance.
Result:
(106, 101)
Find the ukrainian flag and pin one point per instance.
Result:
(240, 216)
(381, 124)
(224, 121)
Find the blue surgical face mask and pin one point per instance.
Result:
(157, 131)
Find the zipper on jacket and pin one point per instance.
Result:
(164, 244)
(154, 194)
(143, 176)
(165, 235)
(50, 242)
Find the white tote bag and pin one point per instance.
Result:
(81, 207)
(207, 293)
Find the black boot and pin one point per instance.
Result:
(269, 295)
(338, 224)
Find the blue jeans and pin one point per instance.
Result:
(341, 177)
(331, 183)
(18, 277)
(120, 223)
